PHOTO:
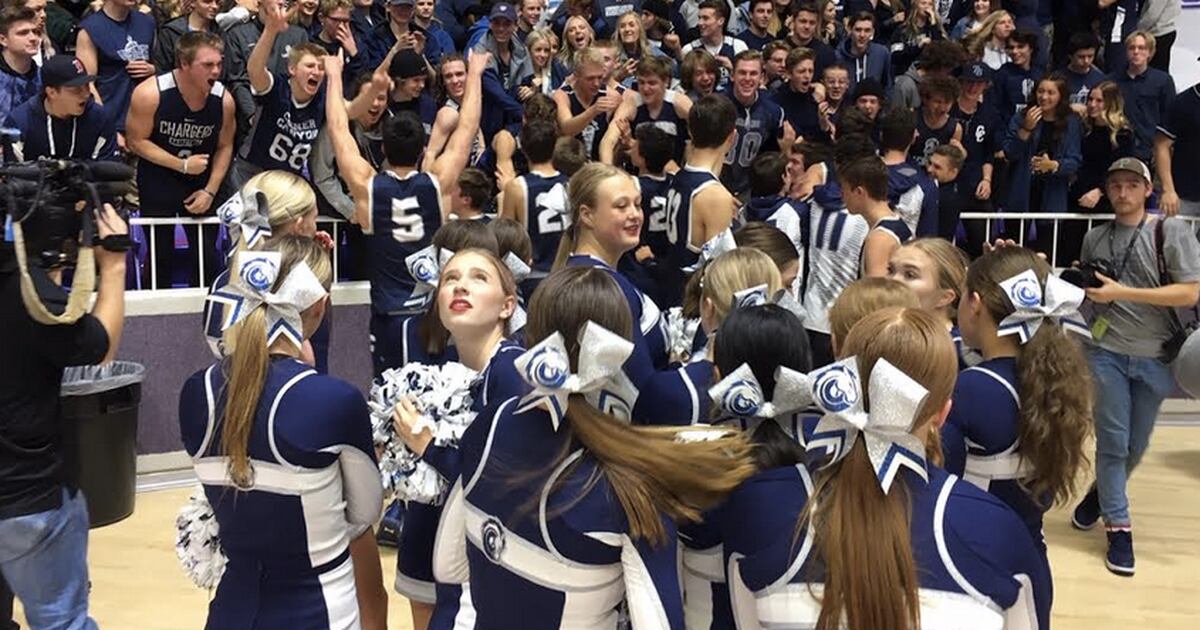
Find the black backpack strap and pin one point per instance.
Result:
(1164, 275)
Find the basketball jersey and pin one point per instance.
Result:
(729, 48)
(929, 139)
(546, 217)
(654, 209)
(595, 129)
(914, 195)
(284, 131)
(782, 213)
(181, 132)
(118, 43)
(668, 120)
(758, 127)
(892, 226)
(406, 210)
(834, 248)
(681, 252)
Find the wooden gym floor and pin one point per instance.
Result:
(137, 583)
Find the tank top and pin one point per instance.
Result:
(180, 131)
(546, 217)
(405, 212)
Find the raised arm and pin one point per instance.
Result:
(458, 149)
(624, 114)
(274, 20)
(443, 126)
(85, 52)
(356, 171)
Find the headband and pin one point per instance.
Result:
(256, 273)
(1059, 303)
(896, 399)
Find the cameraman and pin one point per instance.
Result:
(1130, 327)
(43, 521)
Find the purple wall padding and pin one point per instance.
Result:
(172, 348)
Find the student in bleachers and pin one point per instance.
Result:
(758, 34)
(865, 58)
(114, 44)
(698, 74)
(944, 167)
(759, 122)
(989, 41)
(652, 103)
(586, 106)
(240, 41)
(543, 73)
(332, 32)
(935, 126)
(64, 121)
(19, 80)
(577, 36)
(1148, 92)
(1080, 72)
(1107, 137)
(201, 18)
(800, 100)
(712, 39)
(805, 33)
(768, 203)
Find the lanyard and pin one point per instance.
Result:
(1128, 248)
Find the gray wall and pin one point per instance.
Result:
(172, 348)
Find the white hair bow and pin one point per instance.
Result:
(547, 368)
(426, 265)
(1059, 303)
(740, 395)
(256, 273)
(896, 399)
(247, 209)
(758, 296)
(712, 248)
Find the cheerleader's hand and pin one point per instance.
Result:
(324, 240)
(405, 417)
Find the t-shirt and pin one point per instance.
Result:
(1182, 125)
(118, 43)
(1137, 329)
(32, 358)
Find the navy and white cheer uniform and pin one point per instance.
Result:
(975, 563)
(967, 357)
(284, 130)
(542, 551)
(314, 488)
(546, 219)
(682, 253)
(406, 210)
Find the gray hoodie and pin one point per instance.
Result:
(906, 91)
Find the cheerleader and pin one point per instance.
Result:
(935, 270)
(736, 277)
(762, 352)
(564, 509)
(475, 301)
(284, 454)
(1021, 416)
(606, 222)
(889, 541)
(861, 298)
(774, 243)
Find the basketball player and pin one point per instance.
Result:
(399, 208)
(181, 125)
(760, 122)
(538, 200)
(698, 206)
(585, 107)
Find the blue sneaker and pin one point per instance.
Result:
(390, 525)
(1119, 558)
(1087, 513)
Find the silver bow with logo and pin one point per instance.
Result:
(247, 210)
(713, 247)
(896, 399)
(758, 296)
(740, 395)
(547, 368)
(255, 274)
(1059, 303)
(426, 265)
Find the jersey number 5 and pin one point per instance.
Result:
(408, 227)
(283, 149)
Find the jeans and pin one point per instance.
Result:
(43, 557)
(1129, 392)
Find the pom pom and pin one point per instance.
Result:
(681, 333)
(443, 394)
(197, 542)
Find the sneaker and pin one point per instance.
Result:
(1119, 558)
(389, 527)
(1087, 513)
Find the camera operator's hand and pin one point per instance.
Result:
(1109, 291)
(109, 223)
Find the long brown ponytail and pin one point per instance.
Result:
(650, 472)
(1052, 379)
(247, 357)
(862, 536)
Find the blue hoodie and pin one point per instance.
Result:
(1055, 196)
(876, 63)
(783, 213)
(914, 195)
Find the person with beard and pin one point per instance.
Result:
(181, 126)
(65, 123)
(290, 111)
(201, 18)
(19, 39)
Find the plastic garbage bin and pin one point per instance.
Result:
(100, 413)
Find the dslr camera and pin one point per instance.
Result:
(1084, 276)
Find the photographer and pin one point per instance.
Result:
(66, 123)
(43, 521)
(1134, 337)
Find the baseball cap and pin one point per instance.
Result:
(407, 64)
(1133, 165)
(401, 2)
(976, 72)
(657, 8)
(503, 11)
(65, 71)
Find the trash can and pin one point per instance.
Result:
(100, 413)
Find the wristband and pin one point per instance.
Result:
(205, 191)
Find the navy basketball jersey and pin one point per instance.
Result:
(894, 227)
(284, 131)
(929, 139)
(181, 132)
(681, 251)
(758, 127)
(668, 120)
(594, 131)
(118, 43)
(405, 212)
(546, 216)
(654, 209)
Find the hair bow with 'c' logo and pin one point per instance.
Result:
(712, 248)
(248, 210)
(426, 265)
(896, 399)
(740, 395)
(757, 296)
(256, 273)
(1059, 303)
(547, 368)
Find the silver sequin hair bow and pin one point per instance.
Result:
(758, 296)
(256, 273)
(713, 248)
(426, 265)
(896, 399)
(740, 395)
(247, 210)
(602, 353)
(1059, 303)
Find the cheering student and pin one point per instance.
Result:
(19, 80)
(538, 200)
(711, 21)
(653, 103)
(114, 45)
(65, 122)
(586, 106)
(202, 17)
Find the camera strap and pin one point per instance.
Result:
(81, 289)
(1112, 248)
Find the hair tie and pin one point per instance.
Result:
(602, 353)
(712, 248)
(740, 395)
(896, 399)
(251, 287)
(1059, 303)
(248, 210)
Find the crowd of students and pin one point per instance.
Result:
(768, 375)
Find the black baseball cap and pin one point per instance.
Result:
(406, 64)
(65, 71)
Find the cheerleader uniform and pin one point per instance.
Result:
(967, 356)
(665, 395)
(548, 551)
(314, 488)
(975, 563)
